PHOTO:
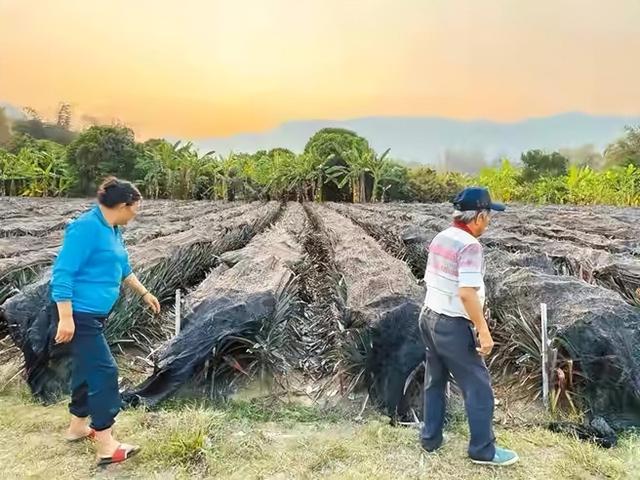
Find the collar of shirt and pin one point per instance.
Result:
(463, 226)
(98, 213)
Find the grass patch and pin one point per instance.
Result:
(335, 452)
(589, 460)
(261, 409)
(262, 438)
(186, 437)
(271, 409)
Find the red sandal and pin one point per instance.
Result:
(121, 454)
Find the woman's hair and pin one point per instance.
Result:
(113, 192)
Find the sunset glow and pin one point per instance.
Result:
(215, 67)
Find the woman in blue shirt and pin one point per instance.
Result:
(86, 281)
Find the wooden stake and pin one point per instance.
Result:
(178, 312)
(544, 355)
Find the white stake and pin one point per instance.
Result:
(544, 355)
(177, 312)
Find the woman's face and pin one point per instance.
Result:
(128, 212)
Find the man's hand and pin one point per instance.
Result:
(471, 303)
(66, 329)
(486, 343)
(153, 303)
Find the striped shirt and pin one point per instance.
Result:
(455, 260)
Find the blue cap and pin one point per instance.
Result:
(476, 198)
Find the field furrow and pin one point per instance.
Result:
(322, 292)
(382, 346)
(237, 318)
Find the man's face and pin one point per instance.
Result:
(482, 222)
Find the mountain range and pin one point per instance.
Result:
(442, 141)
(436, 141)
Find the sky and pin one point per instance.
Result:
(202, 68)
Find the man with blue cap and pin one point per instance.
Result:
(455, 331)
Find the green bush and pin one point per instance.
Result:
(503, 182)
(548, 190)
(580, 186)
(615, 186)
(427, 185)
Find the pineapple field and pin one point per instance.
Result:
(321, 301)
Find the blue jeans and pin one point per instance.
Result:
(451, 349)
(94, 374)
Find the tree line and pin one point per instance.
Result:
(40, 158)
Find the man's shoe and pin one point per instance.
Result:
(502, 458)
(445, 439)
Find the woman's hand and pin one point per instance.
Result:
(66, 329)
(152, 301)
(132, 282)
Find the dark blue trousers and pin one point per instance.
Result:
(451, 349)
(94, 376)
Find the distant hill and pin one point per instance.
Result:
(432, 140)
(12, 112)
(441, 142)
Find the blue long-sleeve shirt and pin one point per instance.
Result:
(91, 265)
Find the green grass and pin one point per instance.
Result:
(266, 439)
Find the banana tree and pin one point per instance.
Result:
(353, 173)
(35, 173)
(175, 170)
(381, 169)
(53, 173)
(292, 175)
(157, 170)
(255, 170)
(309, 171)
(226, 174)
